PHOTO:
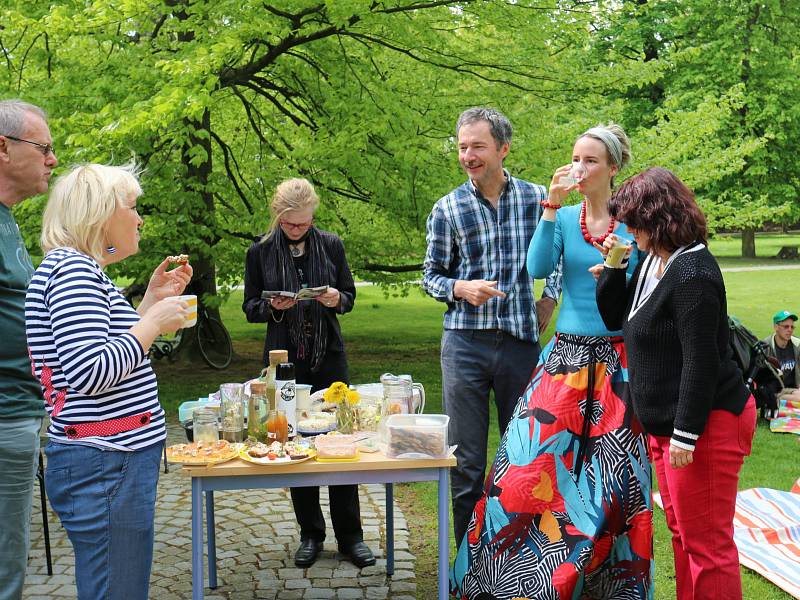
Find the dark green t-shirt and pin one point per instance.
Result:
(20, 394)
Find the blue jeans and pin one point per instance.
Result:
(19, 459)
(106, 502)
(475, 361)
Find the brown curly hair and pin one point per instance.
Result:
(657, 202)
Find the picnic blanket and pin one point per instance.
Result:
(767, 534)
(787, 419)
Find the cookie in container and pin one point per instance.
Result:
(417, 436)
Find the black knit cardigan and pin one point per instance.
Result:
(680, 363)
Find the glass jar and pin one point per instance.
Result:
(277, 427)
(345, 416)
(232, 400)
(204, 425)
(258, 411)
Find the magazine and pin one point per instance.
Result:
(304, 294)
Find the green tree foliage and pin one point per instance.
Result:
(724, 80)
(221, 100)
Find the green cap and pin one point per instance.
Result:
(782, 315)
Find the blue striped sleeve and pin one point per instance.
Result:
(93, 361)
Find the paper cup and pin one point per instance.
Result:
(191, 316)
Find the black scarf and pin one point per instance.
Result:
(316, 275)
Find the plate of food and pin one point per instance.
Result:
(276, 453)
(316, 423)
(202, 453)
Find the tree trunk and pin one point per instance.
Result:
(748, 243)
(204, 281)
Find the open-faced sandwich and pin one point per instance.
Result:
(295, 451)
(179, 259)
(270, 451)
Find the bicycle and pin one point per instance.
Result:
(213, 340)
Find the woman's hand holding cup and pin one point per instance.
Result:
(615, 250)
(170, 314)
(561, 185)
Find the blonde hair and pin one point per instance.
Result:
(81, 203)
(291, 194)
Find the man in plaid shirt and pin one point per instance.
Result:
(478, 237)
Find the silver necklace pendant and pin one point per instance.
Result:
(296, 251)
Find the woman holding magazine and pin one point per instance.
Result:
(291, 256)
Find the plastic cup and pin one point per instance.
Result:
(616, 254)
(191, 316)
(576, 174)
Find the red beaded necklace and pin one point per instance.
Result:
(586, 235)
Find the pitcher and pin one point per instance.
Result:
(398, 394)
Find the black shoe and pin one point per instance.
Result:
(307, 553)
(359, 554)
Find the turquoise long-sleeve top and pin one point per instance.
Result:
(563, 239)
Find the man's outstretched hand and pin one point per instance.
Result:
(476, 291)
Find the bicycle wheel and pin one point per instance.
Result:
(214, 343)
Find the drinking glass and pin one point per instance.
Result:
(576, 174)
(232, 399)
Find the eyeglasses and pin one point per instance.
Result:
(45, 149)
(296, 225)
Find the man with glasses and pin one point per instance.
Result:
(26, 162)
(785, 347)
(478, 237)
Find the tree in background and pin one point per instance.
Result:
(222, 100)
(723, 79)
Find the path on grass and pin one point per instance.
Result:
(257, 535)
(760, 268)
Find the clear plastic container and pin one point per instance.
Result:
(416, 436)
(338, 447)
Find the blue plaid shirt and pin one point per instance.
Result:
(469, 239)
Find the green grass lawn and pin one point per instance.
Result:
(401, 335)
(728, 249)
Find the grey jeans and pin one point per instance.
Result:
(474, 362)
(19, 459)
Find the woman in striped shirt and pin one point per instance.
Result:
(88, 350)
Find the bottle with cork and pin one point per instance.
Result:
(268, 374)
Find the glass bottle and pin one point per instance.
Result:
(258, 411)
(276, 357)
(285, 394)
(204, 425)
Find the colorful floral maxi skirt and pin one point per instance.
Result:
(566, 512)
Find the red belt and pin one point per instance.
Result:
(76, 431)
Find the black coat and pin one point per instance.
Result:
(336, 274)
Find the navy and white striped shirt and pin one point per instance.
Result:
(91, 369)
(469, 239)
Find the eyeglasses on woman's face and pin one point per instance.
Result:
(296, 226)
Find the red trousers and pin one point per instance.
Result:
(700, 501)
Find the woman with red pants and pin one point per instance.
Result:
(687, 391)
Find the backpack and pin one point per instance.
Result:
(758, 373)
